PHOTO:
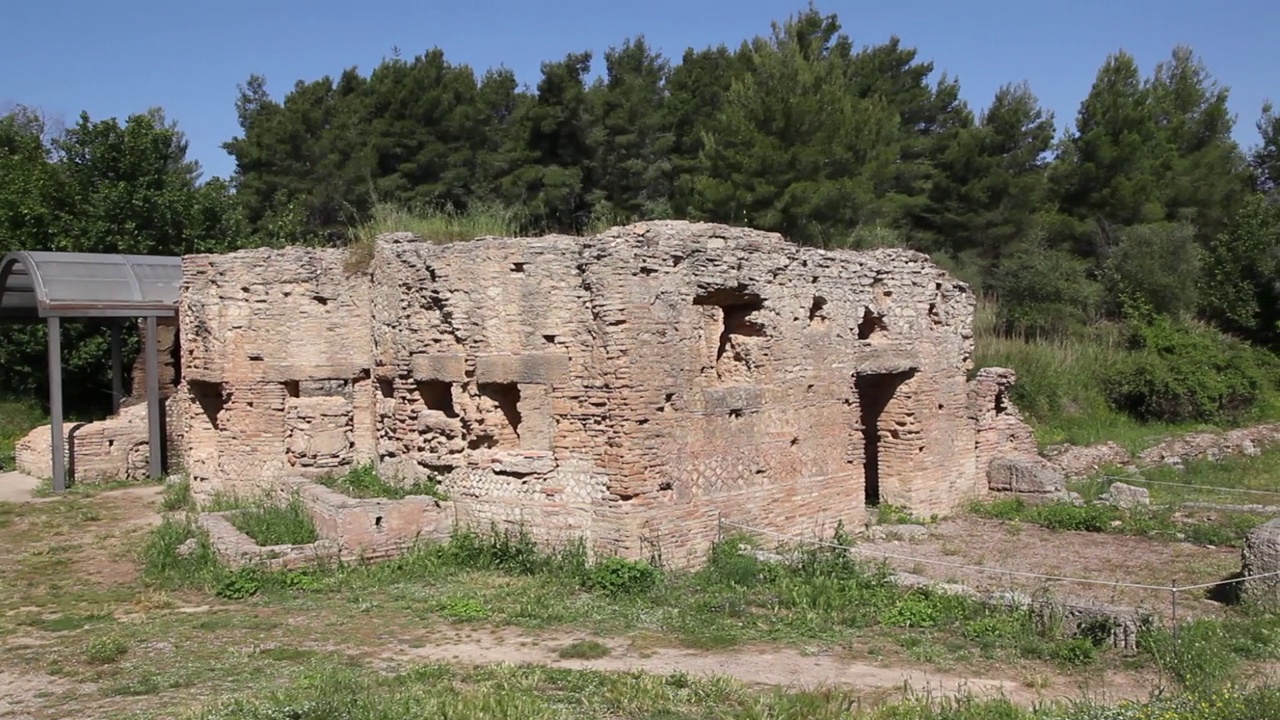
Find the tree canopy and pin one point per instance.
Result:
(1142, 197)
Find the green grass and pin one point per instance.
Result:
(17, 418)
(826, 597)
(537, 693)
(1060, 386)
(439, 225)
(177, 496)
(583, 650)
(268, 518)
(1214, 480)
(1225, 529)
(364, 482)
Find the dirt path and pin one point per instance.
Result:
(759, 665)
(16, 487)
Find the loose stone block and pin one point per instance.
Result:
(1261, 557)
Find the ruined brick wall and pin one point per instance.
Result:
(742, 368)
(1000, 427)
(167, 359)
(111, 449)
(632, 388)
(275, 348)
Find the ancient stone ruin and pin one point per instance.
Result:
(630, 389)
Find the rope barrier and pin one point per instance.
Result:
(985, 568)
(1139, 478)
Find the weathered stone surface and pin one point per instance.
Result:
(1126, 496)
(630, 388)
(1024, 475)
(1210, 446)
(1077, 462)
(1260, 558)
(116, 448)
(1001, 430)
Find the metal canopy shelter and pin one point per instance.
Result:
(49, 286)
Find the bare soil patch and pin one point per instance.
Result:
(764, 665)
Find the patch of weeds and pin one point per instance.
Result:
(239, 584)
(270, 521)
(178, 554)
(363, 481)
(105, 649)
(287, 654)
(177, 496)
(1076, 652)
(617, 576)
(584, 650)
(888, 514)
(1225, 529)
(463, 609)
(67, 623)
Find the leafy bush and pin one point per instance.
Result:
(1157, 265)
(239, 584)
(618, 576)
(584, 650)
(1178, 372)
(177, 554)
(1044, 291)
(177, 496)
(105, 649)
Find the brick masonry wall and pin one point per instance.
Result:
(111, 449)
(630, 388)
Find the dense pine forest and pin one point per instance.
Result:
(1126, 258)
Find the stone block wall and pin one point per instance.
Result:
(276, 348)
(632, 388)
(113, 449)
(1000, 428)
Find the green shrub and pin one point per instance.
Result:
(177, 554)
(1156, 264)
(177, 496)
(105, 649)
(1178, 372)
(618, 576)
(1044, 291)
(239, 584)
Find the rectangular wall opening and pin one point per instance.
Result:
(876, 393)
(438, 395)
(211, 397)
(507, 398)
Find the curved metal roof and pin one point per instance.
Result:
(36, 284)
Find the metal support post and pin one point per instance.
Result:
(57, 443)
(154, 417)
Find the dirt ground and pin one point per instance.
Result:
(995, 546)
(73, 557)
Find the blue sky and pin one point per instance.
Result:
(115, 58)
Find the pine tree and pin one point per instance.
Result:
(635, 141)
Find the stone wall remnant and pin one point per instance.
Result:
(629, 388)
(1261, 558)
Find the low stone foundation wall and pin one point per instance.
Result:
(1117, 625)
(1076, 462)
(236, 550)
(350, 529)
(115, 448)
